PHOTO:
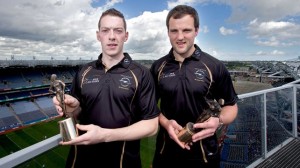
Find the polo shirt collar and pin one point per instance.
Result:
(125, 62)
(196, 54)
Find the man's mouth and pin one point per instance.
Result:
(112, 45)
(180, 43)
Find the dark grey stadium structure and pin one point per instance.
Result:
(24, 95)
(266, 119)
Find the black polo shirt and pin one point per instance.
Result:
(123, 95)
(182, 88)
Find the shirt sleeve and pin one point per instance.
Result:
(147, 101)
(223, 86)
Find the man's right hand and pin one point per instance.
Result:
(173, 128)
(72, 104)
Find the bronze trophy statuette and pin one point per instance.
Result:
(67, 126)
(185, 135)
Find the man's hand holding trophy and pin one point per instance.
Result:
(67, 126)
(213, 110)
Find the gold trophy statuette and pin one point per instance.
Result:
(67, 126)
(185, 135)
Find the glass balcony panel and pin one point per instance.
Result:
(279, 117)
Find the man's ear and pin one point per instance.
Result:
(126, 36)
(197, 31)
(97, 35)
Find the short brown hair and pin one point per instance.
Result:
(112, 12)
(181, 10)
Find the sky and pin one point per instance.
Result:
(230, 30)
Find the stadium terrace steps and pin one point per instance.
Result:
(288, 156)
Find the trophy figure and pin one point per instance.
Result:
(67, 126)
(213, 110)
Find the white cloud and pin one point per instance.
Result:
(261, 53)
(270, 26)
(270, 42)
(273, 33)
(245, 10)
(204, 29)
(276, 52)
(58, 28)
(148, 34)
(111, 3)
(172, 4)
(224, 31)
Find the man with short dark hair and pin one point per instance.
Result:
(185, 79)
(117, 98)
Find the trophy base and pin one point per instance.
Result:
(185, 135)
(68, 129)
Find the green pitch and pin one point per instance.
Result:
(56, 158)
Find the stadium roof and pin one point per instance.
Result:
(34, 63)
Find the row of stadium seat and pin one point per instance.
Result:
(12, 78)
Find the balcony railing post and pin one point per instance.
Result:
(294, 108)
(264, 127)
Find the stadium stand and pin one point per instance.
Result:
(27, 112)
(25, 97)
(7, 119)
(45, 105)
(33, 77)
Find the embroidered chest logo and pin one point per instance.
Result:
(199, 74)
(91, 80)
(125, 82)
(167, 75)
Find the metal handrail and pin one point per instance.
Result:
(29, 152)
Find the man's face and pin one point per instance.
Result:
(112, 35)
(182, 34)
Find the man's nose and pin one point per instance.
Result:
(180, 35)
(111, 34)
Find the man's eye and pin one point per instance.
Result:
(118, 31)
